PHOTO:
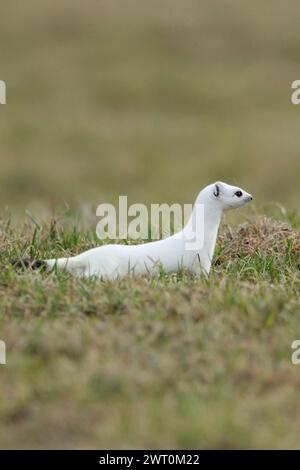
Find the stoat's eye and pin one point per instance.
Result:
(239, 193)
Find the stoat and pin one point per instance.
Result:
(179, 251)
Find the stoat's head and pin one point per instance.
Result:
(225, 196)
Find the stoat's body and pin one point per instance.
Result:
(171, 254)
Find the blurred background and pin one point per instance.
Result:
(149, 99)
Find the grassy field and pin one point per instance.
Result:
(174, 362)
(153, 100)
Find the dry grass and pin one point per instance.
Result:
(267, 236)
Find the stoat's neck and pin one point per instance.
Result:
(206, 216)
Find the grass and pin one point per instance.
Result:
(169, 362)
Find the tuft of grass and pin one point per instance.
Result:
(264, 248)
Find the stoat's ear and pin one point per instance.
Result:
(217, 190)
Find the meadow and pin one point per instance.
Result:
(152, 100)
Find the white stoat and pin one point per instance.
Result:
(170, 254)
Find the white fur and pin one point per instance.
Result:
(171, 254)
